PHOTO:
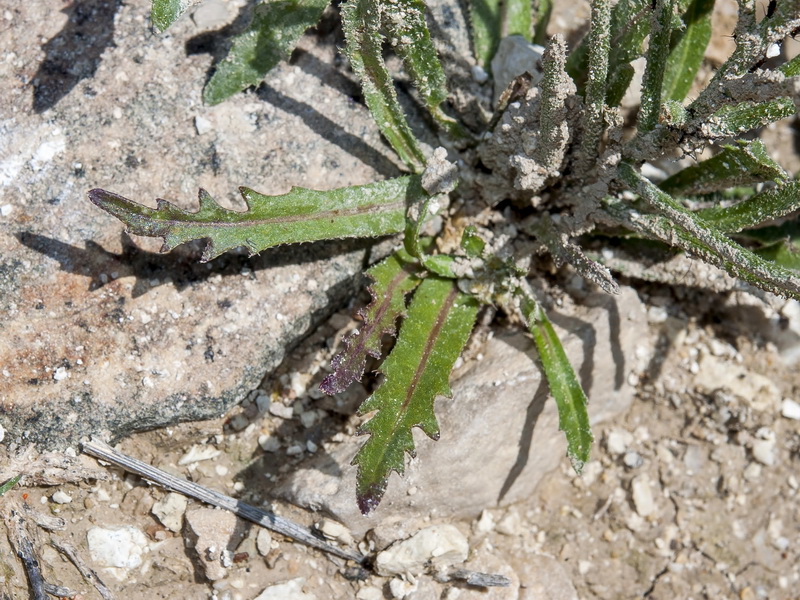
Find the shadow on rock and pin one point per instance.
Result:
(75, 52)
(181, 267)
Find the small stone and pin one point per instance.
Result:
(210, 14)
(511, 523)
(633, 460)
(790, 409)
(752, 472)
(263, 542)
(198, 453)
(211, 532)
(263, 402)
(169, 511)
(121, 548)
(202, 125)
(308, 418)
(335, 531)
(294, 450)
(369, 593)
(290, 590)
(269, 443)
(239, 422)
(5, 210)
(60, 374)
(617, 441)
(657, 314)
(2, 433)
(642, 495)
(61, 497)
(486, 523)
(479, 74)
(400, 588)
(763, 452)
(281, 410)
(443, 545)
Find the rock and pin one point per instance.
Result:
(335, 531)
(198, 453)
(764, 452)
(61, 497)
(499, 431)
(263, 541)
(642, 494)
(515, 56)
(214, 535)
(542, 577)
(789, 410)
(438, 545)
(121, 548)
(291, 590)
(618, 440)
(169, 511)
(101, 332)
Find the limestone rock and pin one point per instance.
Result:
(117, 548)
(499, 431)
(101, 332)
(438, 545)
(214, 535)
(170, 509)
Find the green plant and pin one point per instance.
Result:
(558, 151)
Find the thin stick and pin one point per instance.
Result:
(86, 572)
(264, 518)
(23, 547)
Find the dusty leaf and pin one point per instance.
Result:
(688, 50)
(485, 18)
(755, 210)
(165, 12)
(746, 162)
(436, 328)
(302, 215)
(392, 279)
(272, 35)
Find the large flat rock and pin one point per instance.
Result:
(100, 332)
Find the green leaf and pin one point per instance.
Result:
(758, 209)
(544, 8)
(361, 20)
(746, 162)
(688, 50)
(791, 68)
(573, 419)
(272, 35)
(392, 279)
(302, 215)
(408, 32)
(472, 244)
(9, 484)
(678, 227)
(485, 18)
(657, 52)
(595, 97)
(785, 253)
(517, 18)
(739, 118)
(165, 12)
(438, 324)
(618, 83)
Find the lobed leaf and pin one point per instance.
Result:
(392, 279)
(302, 215)
(657, 53)
(678, 227)
(438, 325)
(746, 162)
(573, 418)
(276, 27)
(10, 484)
(688, 50)
(758, 209)
(408, 32)
(361, 20)
(164, 13)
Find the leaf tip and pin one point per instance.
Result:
(369, 498)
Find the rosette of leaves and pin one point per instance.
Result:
(555, 149)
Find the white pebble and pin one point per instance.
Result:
(60, 374)
(263, 542)
(202, 125)
(618, 440)
(633, 460)
(642, 495)
(170, 510)
(479, 74)
(290, 590)
(5, 210)
(763, 452)
(121, 548)
(269, 443)
(281, 410)
(197, 453)
(442, 545)
(2, 433)
(790, 409)
(773, 50)
(61, 497)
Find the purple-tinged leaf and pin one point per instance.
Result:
(392, 278)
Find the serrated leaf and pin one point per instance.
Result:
(392, 279)
(361, 20)
(438, 325)
(678, 227)
(408, 32)
(165, 12)
(573, 418)
(752, 212)
(10, 484)
(746, 162)
(302, 215)
(688, 50)
(746, 116)
(485, 18)
(276, 27)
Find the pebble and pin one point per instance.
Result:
(6, 209)
(618, 440)
(198, 453)
(263, 542)
(210, 532)
(790, 409)
(633, 460)
(202, 125)
(61, 497)
(642, 495)
(290, 590)
(263, 402)
(269, 443)
(121, 548)
(479, 74)
(334, 530)
(2, 433)
(369, 593)
(281, 410)
(239, 422)
(169, 510)
(400, 588)
(441, 545)
(763, 452)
